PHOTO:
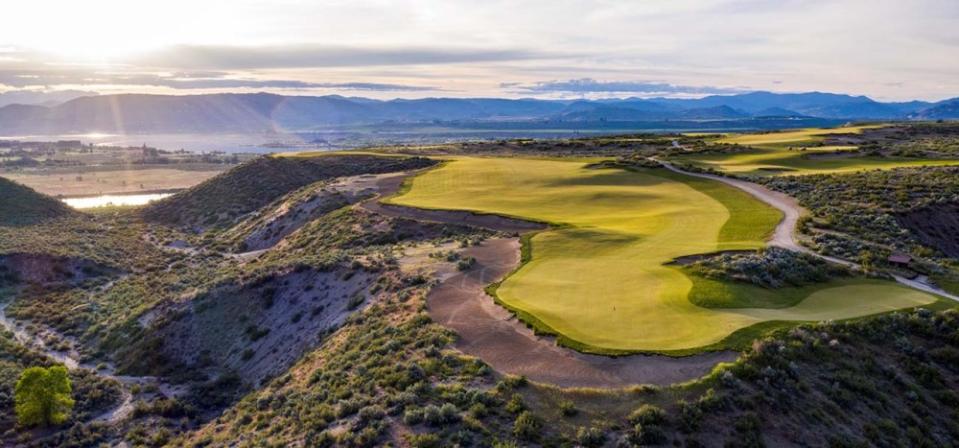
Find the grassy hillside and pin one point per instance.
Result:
(220, 201)
(23, 206)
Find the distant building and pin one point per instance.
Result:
(149, 153)
(900, 259)
(69, 144)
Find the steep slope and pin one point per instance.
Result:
(221, 200)
(20, 205)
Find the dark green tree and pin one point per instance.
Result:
(42, 396)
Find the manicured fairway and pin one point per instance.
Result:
(771, 155)
(599, 280)
(794, 138)
(769, 162)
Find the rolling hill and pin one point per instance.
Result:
(24, 206)
(248, 187)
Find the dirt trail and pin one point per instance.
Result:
(785, 234)
(493, 334)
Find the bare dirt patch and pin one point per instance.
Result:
(259, 329)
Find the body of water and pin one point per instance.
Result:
(114, 200)
(359, 136)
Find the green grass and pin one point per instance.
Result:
(599, 279)
(712, 293)
(793, 138)
(770, 154)
(767, 162)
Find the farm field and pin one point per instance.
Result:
(94, 182)
(599, 277)
(778, 153)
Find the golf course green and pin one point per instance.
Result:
(599, 278)
(798, 152)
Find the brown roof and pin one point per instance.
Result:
(900, 258)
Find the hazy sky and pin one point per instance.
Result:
(889, 50)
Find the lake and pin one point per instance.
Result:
(358, 136)
(114, 200)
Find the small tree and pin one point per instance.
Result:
(42, 396)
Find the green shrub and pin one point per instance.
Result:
(413, 416)
(526, 426)
(423, 440)
(465, 263)
(478, 410)
(690, 416)
(515, 404)
(568, 408)
(647, 414)
(356, 300)
(442, 415)
(590, 437)
(647, 435)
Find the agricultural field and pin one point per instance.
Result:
(800, 152)
(94, 181)
(600, 276)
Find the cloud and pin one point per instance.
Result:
(186, 81)
(319, 56)
(372, 86)
(234, 83)
(589, 85)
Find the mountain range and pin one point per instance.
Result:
(264, 112)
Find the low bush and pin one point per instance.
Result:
(771, 267)
(527, 426)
